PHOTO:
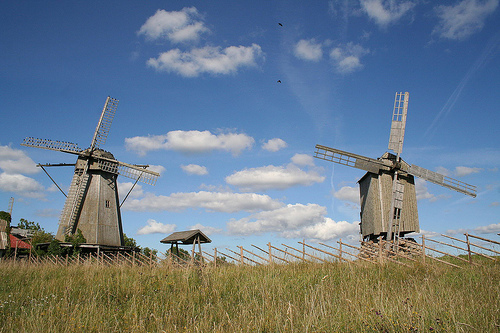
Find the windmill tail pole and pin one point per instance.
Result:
(130, 191)
(39, 165)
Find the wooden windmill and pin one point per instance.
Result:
(387, 190)
(92, 204)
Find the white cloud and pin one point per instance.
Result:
(325, 230)
(461, 171)
(348, 193)
(273, 177)
(463, 19)
(422, 191)
(488, 229)
(485, 229)
(281, 219)
(385, 12)
(274, 145)
(308, 49)
(194, 169)
(191, 142)
(15, 161)
(347, 58)
(303, 159)
(226, 202)
(154, 227)
(21, 185)
(176, 26)
(206, 229)
(124, 188)
(292, 221)
(157, 168)
(208, 59)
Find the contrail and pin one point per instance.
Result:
(488, 52)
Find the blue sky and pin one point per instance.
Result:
(227, 104)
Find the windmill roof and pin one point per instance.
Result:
(186, 237)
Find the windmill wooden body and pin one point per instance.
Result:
(92, 204)
(387, 191)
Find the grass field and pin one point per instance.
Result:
(289, 298)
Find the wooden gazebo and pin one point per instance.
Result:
(187, 238)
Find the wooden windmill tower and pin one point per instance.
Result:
(92, 203)
(387, 190)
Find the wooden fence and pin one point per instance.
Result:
(456, 253)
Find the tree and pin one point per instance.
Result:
(5, 216)
(29, 225)
(128, 241)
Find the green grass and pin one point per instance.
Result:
(289, 298)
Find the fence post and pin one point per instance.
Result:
(340, 249)
(270, 255)
(423, 249)
(215, 257)
(468, 247)
(303, 249)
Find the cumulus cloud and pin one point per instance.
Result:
(273, 177)
(21, 185)
(328, 229)
(303, 159)
(176, 26)
(308, 49)
(485, 229)
(15, 161)
(190, 142)
(488, 229)
(225, 202)
(194, 169)
(291, 221)
(274, 145)
(386, 12)
(208, 59)
(348, 193)
(347, 58)
(14, 164)
(207, 230)
(460, 21)
(461, 171)
(422, 191)
(154, 227)
(125, 187)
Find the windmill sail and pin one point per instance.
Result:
(442, 180)
(398, 123)
(349, 159)
(104, 124)
(63, 146)
(130, 171)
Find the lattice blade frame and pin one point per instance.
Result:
(349, 159)
(130, 171)
(104, 124)
(398, 123)
(63, 146)
(443, 180)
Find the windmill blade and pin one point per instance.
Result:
(139, 173)
(398, 124)
(104, 124)
(349, 159)
(442, 180)
(63, 146)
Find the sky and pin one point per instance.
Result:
(227, 100)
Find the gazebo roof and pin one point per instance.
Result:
(186, 237)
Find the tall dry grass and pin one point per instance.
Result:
(289, 298)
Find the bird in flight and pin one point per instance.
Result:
(279, 81)
(280, 24)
